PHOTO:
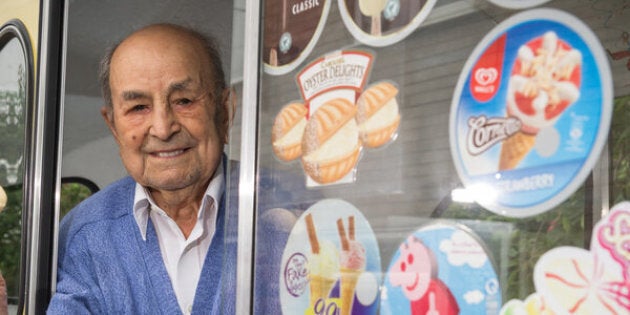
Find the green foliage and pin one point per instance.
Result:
(11, 227)
(531, 237)
(71, 195)
(619, 143)
(10, 239)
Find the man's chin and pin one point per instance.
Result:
(169, 183)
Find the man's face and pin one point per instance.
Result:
(164, 111)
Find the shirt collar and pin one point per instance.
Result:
(142, 200)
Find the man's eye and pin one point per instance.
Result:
(138, 108)
(183, 101)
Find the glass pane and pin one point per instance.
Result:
(12, 127)
(73, 192)
(386, 113)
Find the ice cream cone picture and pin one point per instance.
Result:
(531, 112)
(545, 81)
(352, 264)
(323, 265)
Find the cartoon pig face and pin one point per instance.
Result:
(413, 269)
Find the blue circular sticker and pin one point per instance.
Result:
(531, 112)
(441, 269)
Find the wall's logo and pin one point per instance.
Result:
(486, 76)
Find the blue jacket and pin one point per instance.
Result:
(105, 267)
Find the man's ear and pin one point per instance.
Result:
(108, 115)
(229, 100)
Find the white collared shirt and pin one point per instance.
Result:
(183, 257)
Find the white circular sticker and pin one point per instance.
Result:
(331, 263)
(383, 22)
(518, 4)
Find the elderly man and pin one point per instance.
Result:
(155, 242)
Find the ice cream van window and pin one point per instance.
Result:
(569, 224)
(13, 99)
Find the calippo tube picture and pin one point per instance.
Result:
(531, 112)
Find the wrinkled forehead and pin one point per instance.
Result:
(161, 50)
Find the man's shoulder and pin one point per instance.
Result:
(112, 202)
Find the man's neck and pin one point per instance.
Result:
(182, 205)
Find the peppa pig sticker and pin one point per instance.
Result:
(531, 112)
(441, 269)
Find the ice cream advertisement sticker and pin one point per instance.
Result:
(291, 30)
(531, 112)
(337, 118)
(331, 263)
(518, 4)
(440, 269)
(383, 22)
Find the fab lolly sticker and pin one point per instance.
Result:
(531, 112)
(380, 23)
(291, 30)
(441, 269)
(331, 263)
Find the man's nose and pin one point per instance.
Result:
(164, 122)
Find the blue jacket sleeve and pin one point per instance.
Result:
(77, 288)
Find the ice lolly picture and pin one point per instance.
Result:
(531, 112)
(383, 22)
(373, 9)
(338, 247)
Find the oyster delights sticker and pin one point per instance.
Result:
(383, 22)
(440, 269)
(291, 30)
(337, 118)
(331, 263)
(531, 112)
(518, 4)
(572, 280)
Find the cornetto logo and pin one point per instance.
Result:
(485, 132)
